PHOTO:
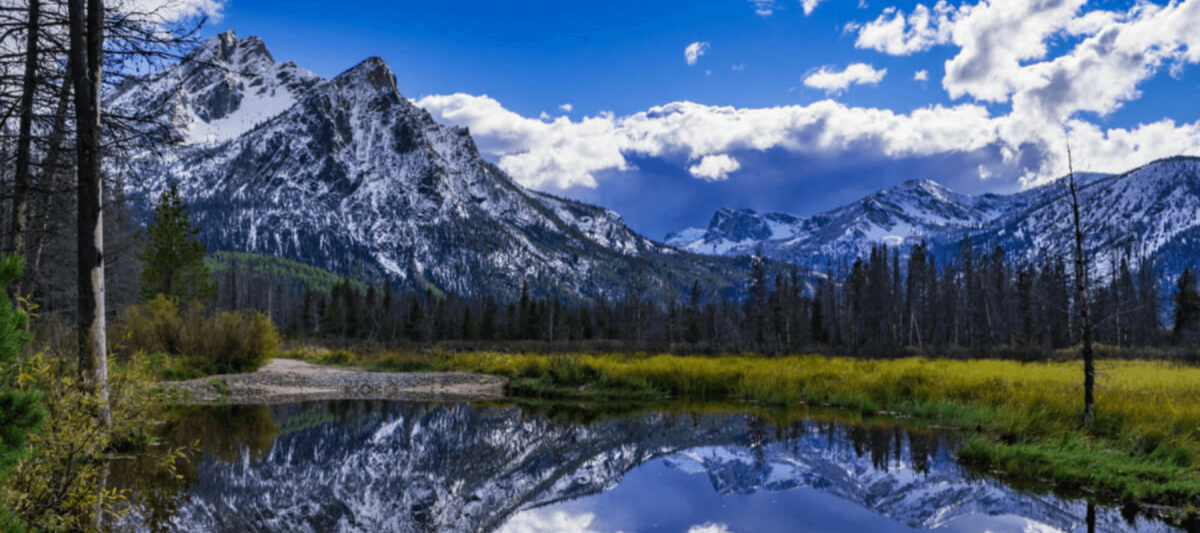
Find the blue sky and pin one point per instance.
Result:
(784, 105)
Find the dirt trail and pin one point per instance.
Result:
(289, 380)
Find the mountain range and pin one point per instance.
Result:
(348, 175)
(1148, 213)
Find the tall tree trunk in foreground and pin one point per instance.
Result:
(86, 48)
(1081, 300)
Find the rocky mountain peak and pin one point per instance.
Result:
(276, 160)
(225, 48)
(739, 224)
(372, 72)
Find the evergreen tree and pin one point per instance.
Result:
(1187, 307)
(174, 256)
(20, 411)
(487, 330)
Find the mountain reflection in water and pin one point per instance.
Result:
(405, 467)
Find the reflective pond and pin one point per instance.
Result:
(391, 466)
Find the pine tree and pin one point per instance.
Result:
(1187, 307)
(174, 256)
(20, 411)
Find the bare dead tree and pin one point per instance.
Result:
(21, 174)
(85, 55)
(1081, 296)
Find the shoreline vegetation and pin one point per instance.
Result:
(1023, 420)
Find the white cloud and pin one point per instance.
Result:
(1004, 56)
(544, 116)
(168, 11)
(896, 34)
(693, 52)
(710, 528)
(921, 75)
(832, 81)
(810, 5)
(738, 67)
(541, 521)
(564, 153)
(984, 172)
(763, 8)
(566, 108)
(539, 154)
(708, 73)
(996, 38)
(715, 167)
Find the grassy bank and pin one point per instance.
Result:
(1145, 446)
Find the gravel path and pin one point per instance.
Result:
(288, 380)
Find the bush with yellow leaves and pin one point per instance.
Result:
(227, 342)
(61, 482)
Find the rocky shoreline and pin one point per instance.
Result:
(287, 381)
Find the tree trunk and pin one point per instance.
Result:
(54, 173)
(86, 48)
(21, 174)
(1081, 301)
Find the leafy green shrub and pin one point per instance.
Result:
(228, 342)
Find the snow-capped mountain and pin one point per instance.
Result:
(1149, 212)
(906, 213)
(348, 173)
(408, 467)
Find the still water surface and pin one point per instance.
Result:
(393, 466)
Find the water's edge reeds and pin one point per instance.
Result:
(1025, 418)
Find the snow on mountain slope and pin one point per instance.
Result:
(902, 214)
(222, 90)
(1146, 213)
(349, 173)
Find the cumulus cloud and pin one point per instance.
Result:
(810, 5)
(693, 52)
(710, 528)
(560, 153)
(898, 34)
(169, 11)
(715, 167)
(921, 75)
(832, 81)
(763, 8)
(565, 153)
(995, 38)
(1004, 56)
(539, 521)
(566, 108)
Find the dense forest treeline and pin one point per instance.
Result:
(883, 305)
